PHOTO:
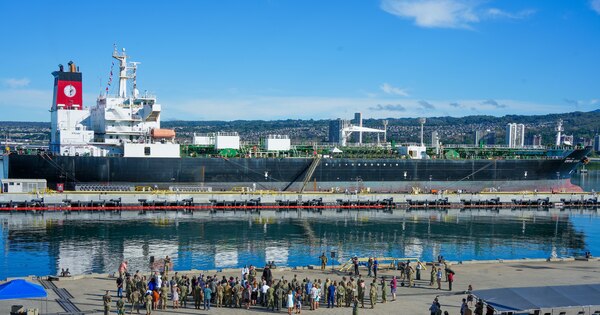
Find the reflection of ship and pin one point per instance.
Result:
(219, 242)
(120, 142)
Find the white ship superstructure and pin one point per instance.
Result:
(125, 124)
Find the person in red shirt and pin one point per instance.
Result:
(155, 297)
(122, 269)
(450, 280)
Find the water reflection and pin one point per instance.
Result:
(84, 243)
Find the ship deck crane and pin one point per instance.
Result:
(347, 131)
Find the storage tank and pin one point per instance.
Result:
(227, 140)
(277, 143)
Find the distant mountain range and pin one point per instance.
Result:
(450, 129)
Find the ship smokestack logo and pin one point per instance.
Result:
(67, 88)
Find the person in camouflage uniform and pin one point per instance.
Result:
(121, 306)
(349, 294)
(136, 299)
(271, 298)
(198, 298)
(383, 293)
(361, 293)
(373, 293)
(220, 290)
(238, 289)
(341, 292)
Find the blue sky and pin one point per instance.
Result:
(279, 59)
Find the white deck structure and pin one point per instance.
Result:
(119, 125)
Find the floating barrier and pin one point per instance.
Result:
(157, 207)
(309, 202)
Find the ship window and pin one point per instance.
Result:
(377, 164)
(383, 164)
(358, 164)
(396, 164)
(352, 164)
(326, 164)
(146, 150)
(371, 164)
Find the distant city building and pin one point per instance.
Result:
(566, 139)
(533, 140)
(435, 142)
(489, 138)
(335, 128)
(537, 140)
(585, 141)
(485, 137)
(478, 135)
(357, 121)
(597, 143)
(435, 139)
(515, 135)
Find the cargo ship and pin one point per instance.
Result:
(118, 144)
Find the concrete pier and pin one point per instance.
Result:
(84, 292)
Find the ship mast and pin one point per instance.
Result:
(122, 72)
(559, 130)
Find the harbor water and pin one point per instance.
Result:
(43, 244)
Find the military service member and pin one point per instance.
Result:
(271, 298)
(383, 296)
(184, 293)
(279, 293)
(220, 291)
(167, 266)
(341, 292)
(409, 275)
(164, 291)
(433, 273)
(106, 299)
(323, 261)
(238, 289)
(197, 296)
(121, 306)
(373, 293)
(148, 300)
(361, 293)
(136, 297)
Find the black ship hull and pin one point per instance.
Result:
(390, 175)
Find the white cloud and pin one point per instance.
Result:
(448, 13)
(433, 13)
(33, 105)
(13, 83)
(25, 104)
(497, 13)
(389, 89)
(573, 102)
(595, 4)
(303, 107)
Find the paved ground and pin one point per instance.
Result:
(87, 291)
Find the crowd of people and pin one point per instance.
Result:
(254, 288)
